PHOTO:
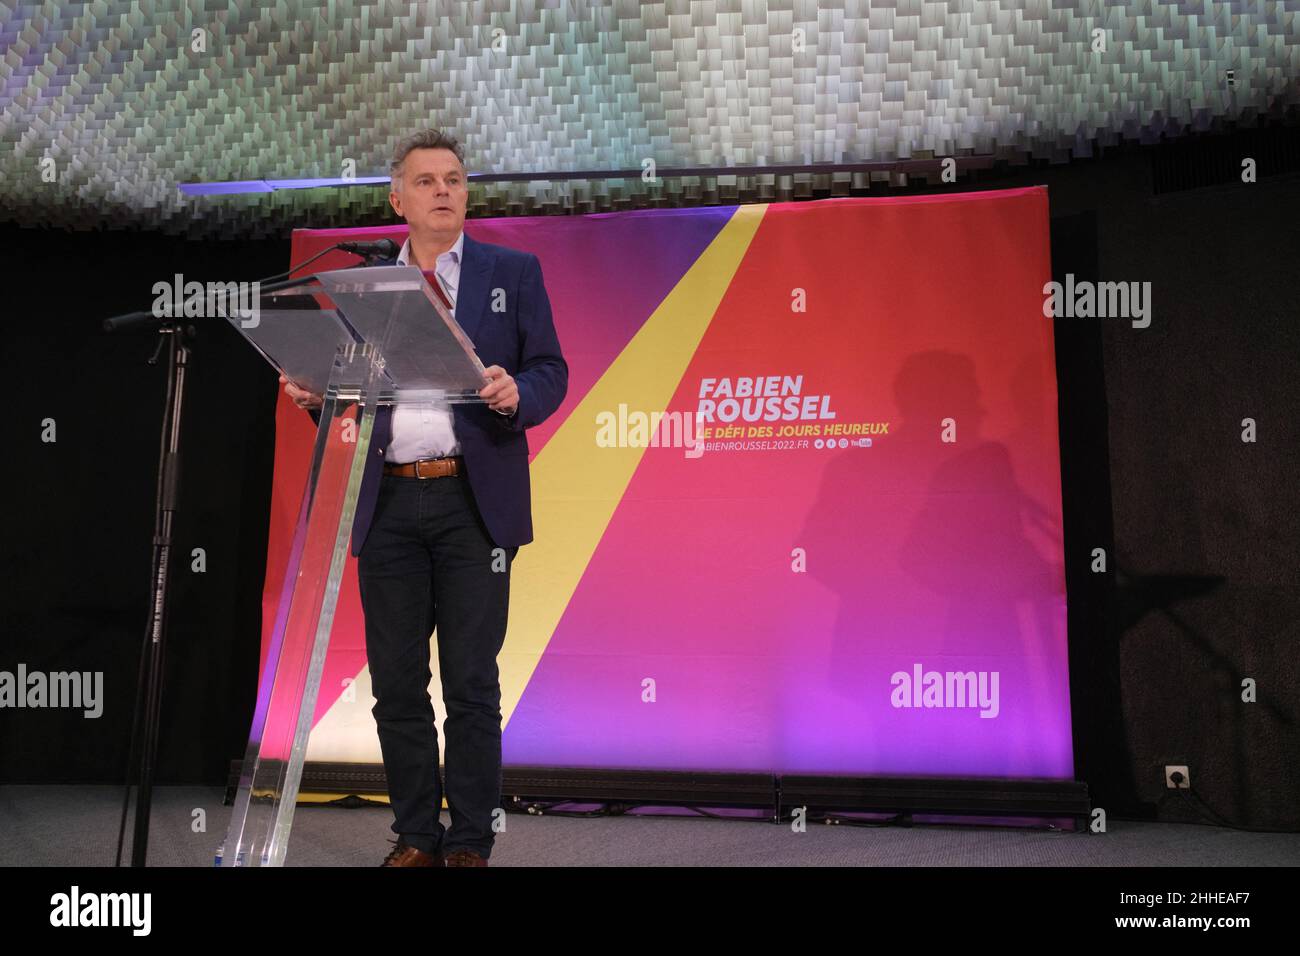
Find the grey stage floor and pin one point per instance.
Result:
(77, 826)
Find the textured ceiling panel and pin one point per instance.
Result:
(106, 108)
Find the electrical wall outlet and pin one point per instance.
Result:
(1184, 783)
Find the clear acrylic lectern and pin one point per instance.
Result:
(361, 338)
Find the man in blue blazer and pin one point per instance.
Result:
(443, 508)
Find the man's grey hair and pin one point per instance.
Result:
(424, 139)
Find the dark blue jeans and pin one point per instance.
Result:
(428, 562)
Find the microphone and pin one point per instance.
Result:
(384, 248)
(380, 248)
(130, 320)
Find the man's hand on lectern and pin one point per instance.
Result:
(301, 397)
(502, 392)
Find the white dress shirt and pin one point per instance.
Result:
(428, 430)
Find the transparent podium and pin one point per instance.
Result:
(361, 338)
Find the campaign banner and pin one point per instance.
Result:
(800, 510)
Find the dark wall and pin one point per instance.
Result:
(81, 509)
(1199, 528)
(1207, 534)
(1202, 537)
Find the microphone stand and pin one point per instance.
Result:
(148, 704)
(173, 335)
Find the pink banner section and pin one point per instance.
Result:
(859, 568)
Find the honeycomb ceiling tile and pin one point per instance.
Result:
(107, 107)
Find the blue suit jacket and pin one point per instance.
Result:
(522, 341)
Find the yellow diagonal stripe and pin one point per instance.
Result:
(576, 484)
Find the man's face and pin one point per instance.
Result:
(434, 193)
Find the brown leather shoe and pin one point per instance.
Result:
(404, 855)
(463, 857)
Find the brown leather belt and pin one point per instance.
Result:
(427, 468)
